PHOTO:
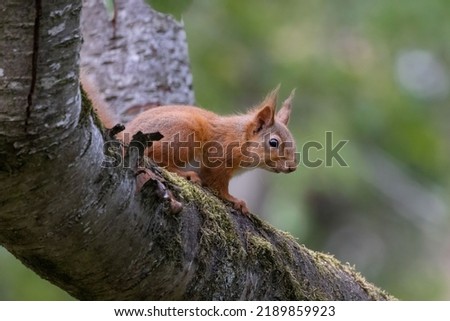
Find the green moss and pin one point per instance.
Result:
(193, 193)
(325, 263)
(262, 250)
(220, 248)
(272, 260)
(87, 110)
(273, 254)
(217, 226)
(374, 292)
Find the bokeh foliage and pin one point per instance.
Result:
(375, 73)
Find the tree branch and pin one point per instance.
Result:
(84, 227)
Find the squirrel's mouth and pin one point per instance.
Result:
(285, 170)
(277, 170)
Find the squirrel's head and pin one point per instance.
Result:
(269, 137)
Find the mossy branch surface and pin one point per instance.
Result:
(243, 257)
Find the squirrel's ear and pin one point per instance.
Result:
(285, 110)
(264, 118)
(265, 114)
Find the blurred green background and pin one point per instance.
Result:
(375, 73)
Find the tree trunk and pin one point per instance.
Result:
(83, 226)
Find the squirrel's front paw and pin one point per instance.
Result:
(237, 203)
(241, 206)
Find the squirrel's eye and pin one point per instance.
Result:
(273, 142)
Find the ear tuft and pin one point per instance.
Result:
(285, 111)
(271, 98)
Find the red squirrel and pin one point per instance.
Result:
(209, 149)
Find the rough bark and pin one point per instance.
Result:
(84, 226)
(137, 48)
